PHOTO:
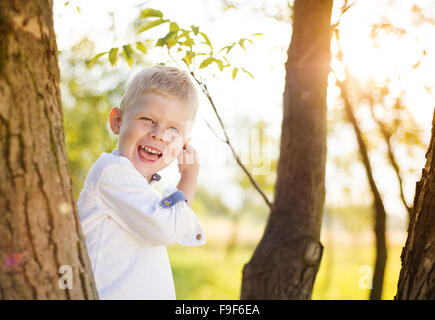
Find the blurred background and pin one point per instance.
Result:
(384, 49)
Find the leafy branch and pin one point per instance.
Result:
(196, 51)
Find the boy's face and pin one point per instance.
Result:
(153, 123)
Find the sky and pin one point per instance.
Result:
(244, 101)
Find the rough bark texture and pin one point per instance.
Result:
(378, 204)
(39, 226)
(286, 261)
(417, 277)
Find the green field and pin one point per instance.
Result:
(207, 272)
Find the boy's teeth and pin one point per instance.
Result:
(149, 150)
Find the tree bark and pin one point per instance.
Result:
(417, 276)
(285, 263)
(42, 249)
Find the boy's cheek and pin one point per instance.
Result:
(171, 152)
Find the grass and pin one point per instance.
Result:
(206, 272)
(342, 273)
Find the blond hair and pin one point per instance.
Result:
(163, 80)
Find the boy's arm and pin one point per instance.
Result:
(137, 208)
(188, 165)
(187, 184)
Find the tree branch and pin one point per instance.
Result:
(205, 90)
(387, 137)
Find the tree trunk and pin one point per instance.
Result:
(387, 137)
(378, 204)
(286, 261)
(417, 277)
(42, 249)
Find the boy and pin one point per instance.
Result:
(127, 224)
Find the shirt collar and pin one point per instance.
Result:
(154, 178)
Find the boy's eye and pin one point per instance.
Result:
(148, 119)
(173, 129)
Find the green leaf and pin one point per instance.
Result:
(228, 63)
(188, 43)
(113, 55)
(166, 40)
(150, 25)
(185, 33)
(172, 40)
(173, 27)
(235, 70)
(241, 43)
(228, 48)
(246, 71)
(220, 64)
(149, 12)
(206, 62)
(195, 30)
(188, 57)
(207, 40)
(94, 59)
(140, 46)
(128, 54)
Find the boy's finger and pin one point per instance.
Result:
(187, 142)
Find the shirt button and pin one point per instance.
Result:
(198, 237)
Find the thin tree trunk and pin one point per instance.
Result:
(387, 137)
(378, 205)
(380, 216)
(286, 261)
(42, 250)
(417, 277)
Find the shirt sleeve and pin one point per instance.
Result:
(135, 206)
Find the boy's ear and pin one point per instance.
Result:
(115, 120)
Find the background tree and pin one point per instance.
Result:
(387, 130)
(39, 226)
(285, 263)
(378, 203)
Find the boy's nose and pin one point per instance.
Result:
(156, 136)
(159, 134)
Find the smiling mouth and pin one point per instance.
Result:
(149, 154)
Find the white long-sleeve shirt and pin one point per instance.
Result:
(127, 226)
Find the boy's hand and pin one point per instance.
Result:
(188, 165)
(188, 160)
